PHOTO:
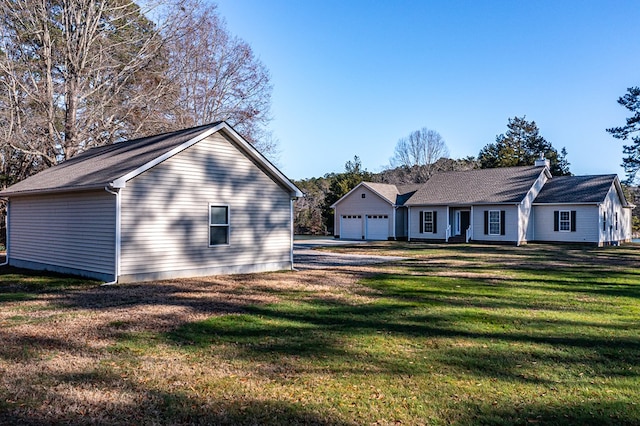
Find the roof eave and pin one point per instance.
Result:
(92, 187)
(564, 203)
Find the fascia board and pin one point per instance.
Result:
(591, 203)
(53, 190)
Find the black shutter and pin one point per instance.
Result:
(573, 221)
(435, 222)
(486, 222)
(421, 222)
(556, 220)
(502, 228)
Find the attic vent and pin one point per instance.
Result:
(364, 195)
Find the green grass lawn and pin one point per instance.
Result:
(464, 334)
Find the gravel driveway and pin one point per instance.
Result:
(305, 257)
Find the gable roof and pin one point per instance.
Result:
(578, 189)
(479, 186)
(113, 165)
(393, 194)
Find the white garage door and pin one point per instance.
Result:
(377, 227)
(351, 227)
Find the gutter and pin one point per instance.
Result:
(116, 272)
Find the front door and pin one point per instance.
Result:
(464, 222)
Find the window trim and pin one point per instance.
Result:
(566, 221)
(219, 225)
(499, 222)
(427, 222)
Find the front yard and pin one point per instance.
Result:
(452, 335)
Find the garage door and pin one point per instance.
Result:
(377, 227)
(351, 227)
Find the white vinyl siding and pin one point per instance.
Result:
(587, 225)
(526, 212)
(415, 226)
(355, 205)
(165, 220)
(72, 232)
(511, 223)
(617, 226)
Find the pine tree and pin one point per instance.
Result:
(631, 160)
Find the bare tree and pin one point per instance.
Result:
(81, 73)
(218, 75)
(419, 152)
(77, 74)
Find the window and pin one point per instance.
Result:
(218, 225)
(364, 195)
(565, 221)
(604, 221)
(616, 221)
(494, 222)
(428, 221)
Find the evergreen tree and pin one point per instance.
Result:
(521, 145)
(340, 184)
(631, 160)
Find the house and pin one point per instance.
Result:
(194, 202)
(512, 205)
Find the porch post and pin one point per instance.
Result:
(408, 223)
(448, 229)
(470, 225)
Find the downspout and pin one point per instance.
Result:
(292, 232)
(118, 238)
(6, 239)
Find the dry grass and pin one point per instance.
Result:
(453, 335)
(60, 362)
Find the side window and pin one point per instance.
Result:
(218, 225)
(428, 221)
(565, 221)
(494, 222)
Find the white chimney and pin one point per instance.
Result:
(542, 162)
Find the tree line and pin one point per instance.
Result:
(419, 155)
(75, 74)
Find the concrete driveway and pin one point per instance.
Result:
(305, 257)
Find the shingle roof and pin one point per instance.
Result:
(478, 186)
(387, 191)
(394, 194)
(99, 167)
(575, 189)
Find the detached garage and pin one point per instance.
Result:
(194, 202)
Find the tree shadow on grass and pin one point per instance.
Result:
(321, 330)
(103, 397)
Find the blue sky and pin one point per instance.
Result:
(352, 77)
